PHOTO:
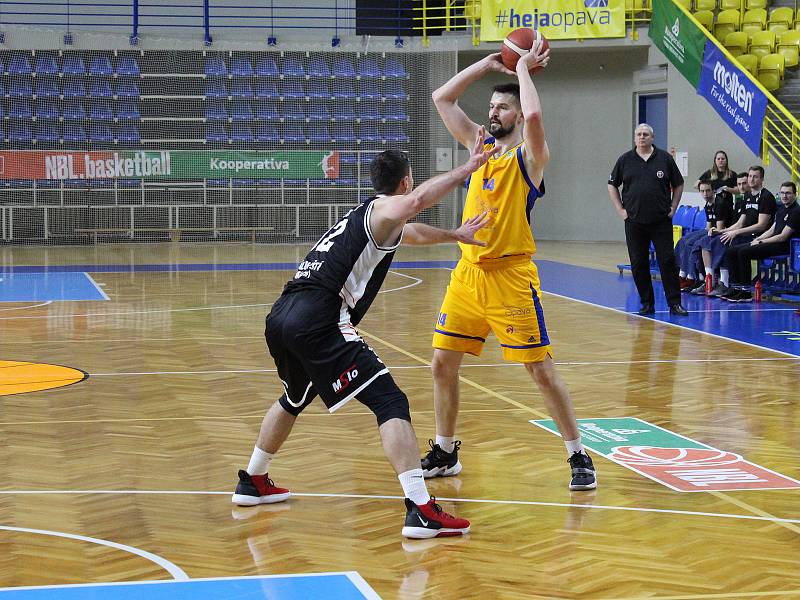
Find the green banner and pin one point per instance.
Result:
(681, 41)
(167, 164)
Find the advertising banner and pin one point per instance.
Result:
(556, 19)
(167, 164)
(739, 101)
(681, 41)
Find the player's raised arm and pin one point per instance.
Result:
(460, 126)
(537, 154)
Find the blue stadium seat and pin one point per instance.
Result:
(20, 88)
(128, 134)
(688, 217)
(343, 111)
(368, 111)
(318, 133)
(74, 111)
(100, 66)
(393, 68)
(292, 88)
(267, 89)
(393, 110)
(699, 220)
(20, 132)
(127, 89)
(100, 133)
(46, 65)
(74, 88)
(46, 87)
(20, 109)
(215, 132)
(73, 65)
(2, 88)
(241, 133)
(266, 111)
(216, 111)
(678, 216)
(241, 111)
(368, 68)
(348, 158)
(294, 132)
(317, 67)
(318, 88)
(368, 88)
(292, 67)
(343, 88)
(266, 67)
(318, 112)
(128, 111)
(393, 88)
(241, 89)
(216, 89)
(394, 132)
(267, 133)
(47, 131)
(46, 109)
(368, 132)
(241, 67)
(101, 88)
(343, 68)
(74, 133)
(215, 66)
(2, 111)
(19, 65)
(128, 66)
(101, 111)
(293, 111)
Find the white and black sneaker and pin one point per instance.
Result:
(583, 475)
(438, 463)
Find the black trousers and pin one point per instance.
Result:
(638, 237)
(738, 258)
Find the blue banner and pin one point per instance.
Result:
(738, 100)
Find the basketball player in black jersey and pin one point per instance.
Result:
(311, 332)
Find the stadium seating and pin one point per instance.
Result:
(729, 4)
(318, 88)
(293, 132)
(241, 111)
(394, 132)
(266, 67)
(736, 42)
(100, 88)
(128, 66)
(241, 89)
(20, 133)
(74, 111)
(127, 89)
(368, 111)
(215, 132)
(705, 18)
(101, 111)
(368, 68)
(20, 88)
(215, 66)
(317, 67)
(343, 111)
(73, 65)
(292, 88)
(392, 110)
(293, 111)
(46, 87)
(241, 67)
(727, 22)
(267, 133)
(754, 20)
(709, 5)
(266, 111)
(100, 66)
(318, 112)
(47, 132)
(128, 111)
(394, 89)
(100, 133)
(749, 62)
(343, 132)
(46, 109)
(368, 88)
(20, 109)
(762, 43)
(789, 47)
(128, 134)
(74, 88)
(266, 89)
(19, 65)
(343, 88)
(781, 19)
(393, 69)
(770, 71)
(216, 111)
(368, 132)
(292, 67)
(46, 65)
(754, 4)
(241, 133)
(318, 133)
(342, 67)
(74, 133)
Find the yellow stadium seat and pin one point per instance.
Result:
(762, 43)
(687, 4)
(705, 5)
(736, 42)
(705, 18)
(772, 62)
(730, 4)
(749, 63)
(781, 19)
(770, 80)
(756, 4)
(754, 19)
(727, 22)
(789, 47)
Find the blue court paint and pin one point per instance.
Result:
(41, 287)
(331, 586)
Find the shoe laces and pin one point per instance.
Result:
(579, 460)
(438, 509)
(438, 451)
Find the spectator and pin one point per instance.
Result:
(720, 175)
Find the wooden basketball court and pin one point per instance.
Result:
(126, 475)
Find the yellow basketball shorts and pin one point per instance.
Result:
(503, 298)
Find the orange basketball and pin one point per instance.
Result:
(518, 43)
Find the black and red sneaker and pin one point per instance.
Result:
(257, 489)
(429, 520)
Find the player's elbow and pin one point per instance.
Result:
(533, 118)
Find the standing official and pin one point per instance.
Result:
(651, 190)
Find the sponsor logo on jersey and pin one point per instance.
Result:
(345, 379)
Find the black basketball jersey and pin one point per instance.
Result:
(348, 262)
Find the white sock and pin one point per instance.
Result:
(446, 443)
(259, 462)
(574, 446)
(723, 277)
(414, 486)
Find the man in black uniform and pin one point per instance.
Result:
(651, 190)
(311, 333)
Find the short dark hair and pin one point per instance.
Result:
(387, 169)
(790, 184)
(742, 174)
(508, 88)
(708, 183)
(758, 168)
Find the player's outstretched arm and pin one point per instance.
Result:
(420, 234)
(460, 126)
(537, 154)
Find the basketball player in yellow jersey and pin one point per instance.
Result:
(496, 287)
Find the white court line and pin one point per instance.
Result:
(717, 310)
(97, 287)
(29, 306)
(137, 312)
(714, 335)
(417, 281)
(171, 568)
(690, 513)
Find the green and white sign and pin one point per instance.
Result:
(676, 35)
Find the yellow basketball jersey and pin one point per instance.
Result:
(502, 188)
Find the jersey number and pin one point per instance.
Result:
(327, 240)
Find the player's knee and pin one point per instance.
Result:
(290, 407)
(386, 402)
(543, 373)
(442, 369)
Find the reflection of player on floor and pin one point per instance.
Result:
(311, 335)
(496, 287)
